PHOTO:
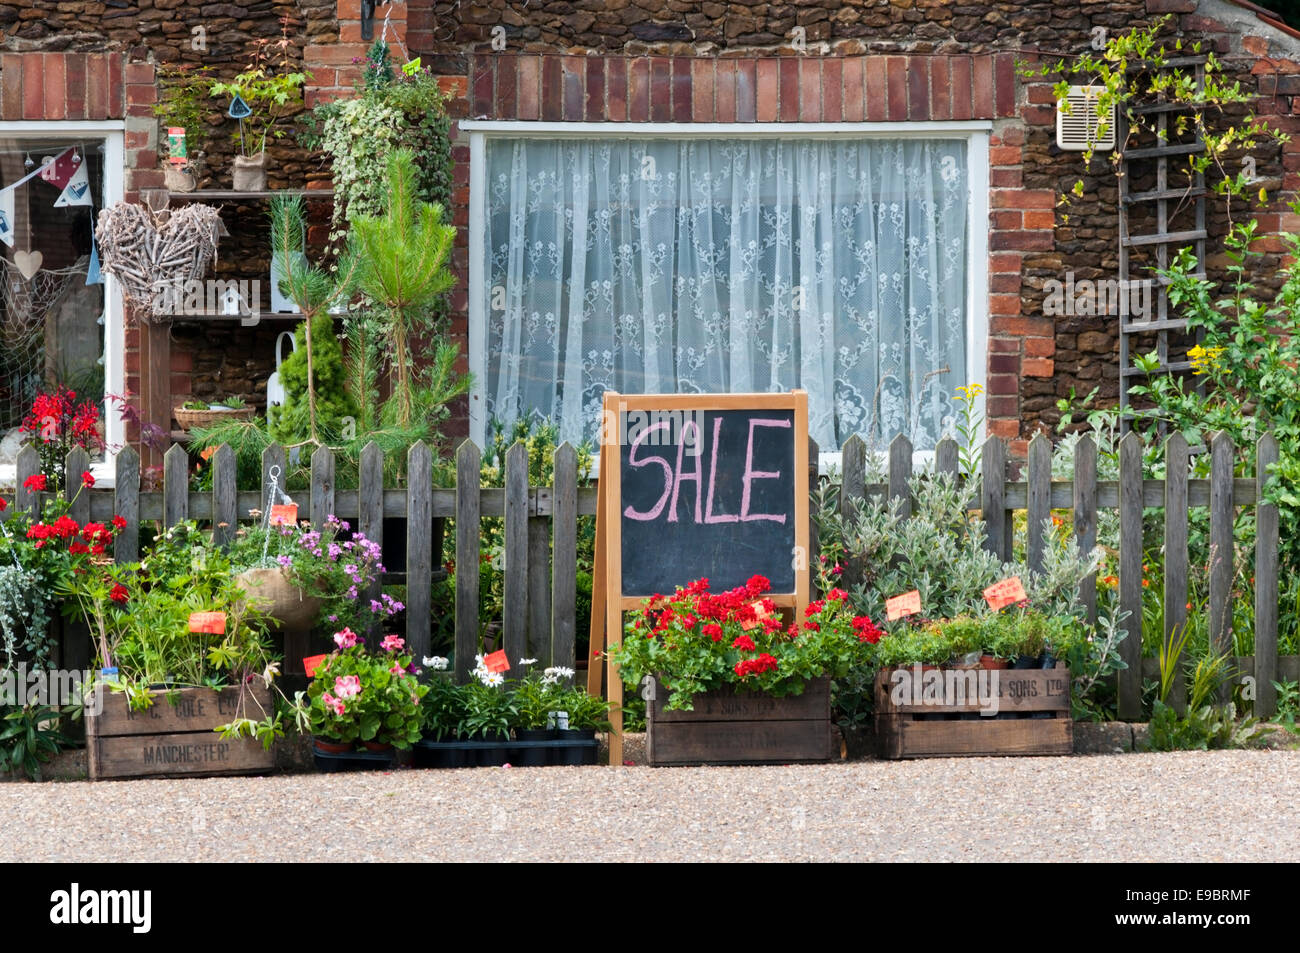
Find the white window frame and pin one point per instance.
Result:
(113, 133)
(976, 135)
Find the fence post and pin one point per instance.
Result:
(76, 463)
(1221, 551)
(1176, 557)
(853, 487)
(28, 465)
(321, 502)
(515, 610)
(225, 516)
(126, 504)
(176, 486)
(370, 516)
(419, 547)
(946, 457)
(1085, 517)
(1266, 560)
(993, 472)
(1039, 504)
(467, 556)
(564, 556)
(900, 471)
(1129, 703)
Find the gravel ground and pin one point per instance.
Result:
(1195, 806)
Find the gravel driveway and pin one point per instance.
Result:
(1196, 806)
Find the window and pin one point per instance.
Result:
(844, 263)
(55, 328)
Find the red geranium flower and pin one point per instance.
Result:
(3, 505)
(87, 480)
(65, 527)
(78, 547)
(119, 522)
(744, 643)
(35, 483)
(119, 594)
(713, 631)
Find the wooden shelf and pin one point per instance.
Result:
(230, 195)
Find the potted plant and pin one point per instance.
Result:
(535, 700)
(732, 658)
(181, 108)
(443, 710)
(579, 717)
(195, 414)
(260, 96)
(359, 697)
(489, 711)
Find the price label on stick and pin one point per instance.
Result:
(209, 623)
(909, 603)
(284, 514)
(497, 661)
(311, 663)
(1005, 593)
(760, 613)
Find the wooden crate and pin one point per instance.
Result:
(916, 728)
(731, 727)
(174, 740)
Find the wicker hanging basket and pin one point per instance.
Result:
(198, 419)
(270, 591)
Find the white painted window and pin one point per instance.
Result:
(848, 259)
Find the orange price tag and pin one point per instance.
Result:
(909, 603)
(212, 623)
(1005, 593)
(760, 613)
(497, 661)
(311, 663)
(284, 514)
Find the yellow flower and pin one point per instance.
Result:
(970, 391)
(1204, 358)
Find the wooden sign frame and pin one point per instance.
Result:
(608, 601)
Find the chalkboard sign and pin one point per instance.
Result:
(707, 494)
(697, 486)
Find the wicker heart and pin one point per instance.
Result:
(28, 262)
(148, 253)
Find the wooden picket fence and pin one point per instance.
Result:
(540, 526)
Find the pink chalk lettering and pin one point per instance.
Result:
(697, 476)
(713, 480)
(751, 474)
(632, 461)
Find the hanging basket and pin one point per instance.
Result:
(270, 591)
(193, 419)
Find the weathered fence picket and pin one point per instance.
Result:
(540, 529)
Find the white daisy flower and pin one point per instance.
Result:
(436, 662)
(528, 661)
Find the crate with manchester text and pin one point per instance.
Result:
(175, 735)
(927, 711)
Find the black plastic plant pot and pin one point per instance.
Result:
(1046, 660)
(493, 751)
(582, 753)
(537, 752)
(1026, 661)
(328, 761)
(430, 753)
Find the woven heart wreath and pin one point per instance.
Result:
(147, 252)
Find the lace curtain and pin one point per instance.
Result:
(703, 266)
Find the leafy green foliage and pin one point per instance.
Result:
(357, 695)
(1208, 727)
(272, 91)
(29, 737)
(293, 423)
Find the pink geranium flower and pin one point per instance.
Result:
(392, 643)
(348, 686)
(346, 639)
(332, 702)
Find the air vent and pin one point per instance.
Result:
(1077, 129)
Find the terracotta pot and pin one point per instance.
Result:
(271, 591)
(378, 745)
(332, 747)
(250, 173)
(990, 662)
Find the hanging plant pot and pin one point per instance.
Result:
(250, 173)
(271, 591)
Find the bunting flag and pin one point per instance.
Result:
(93, 275)
(7, 217)
(58, 171)
(76, 191)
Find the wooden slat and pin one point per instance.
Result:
(1085, 517)
(1176, 555)
(900, 738)
(419, 548)
(1130, 576)
(853, 463)
(370, 515)
(515, 608)
(1039, 510)
(539, 590)
(1266, 583)
(564, 556)
(947, 456)
(225, 513)
(176, 482)
(275, 468)
(27, 465)
(322, 485)
(993, 470)
(126, 504)
(1221, 550)
(467, 557)
(900, 471)
(76, 463)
